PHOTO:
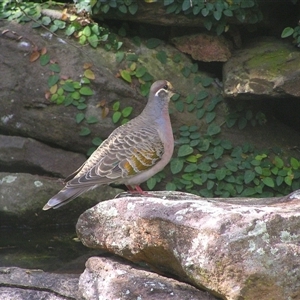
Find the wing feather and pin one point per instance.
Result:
(120, 157)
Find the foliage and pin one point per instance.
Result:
(121, 115)
(82, 28)
(294, 32)
(203, 163)
(215, 12)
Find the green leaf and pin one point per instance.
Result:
(55, 68)
(210, 116)
(151, 182)
(249, 176)
(116, 117)
(190, 168)
(278, 162)
(76, 85)
(249, 191)
(161, 56)
(46, 20)
(217, 15)
(200, 113)
(185, 150)
(295, 163)
(70, 30)
(186, 71)
(140, 71)
(176, 58)
(206, 81)
(221, 174)
(132, 57)
(60, 24)
(82, 40)
(81, 106)
(87, 31)
(127, 111)
(210, 184)
(179, 105)
(147, 77)
(204, 12)
(288, 31)
(153, 43)
(213, 129)
(79, 118)
(84, 131)
(186, 5)
(86, 91)
(44, 59)
(268, 181)
(228, 13)
(123, 9)
(170, 186)
(189, 99)
(53, 79)
(116, 106)
(53, 28)
(126, 76)
(176, 165)
(91, 120)
(68, 87)
(85, 80)
(93, 40)
(133, 8)
(120, 56)
(242, 123)
(218, 152)
(97, 141)
(75, 96)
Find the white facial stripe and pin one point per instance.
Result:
(162, 89)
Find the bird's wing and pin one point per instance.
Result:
(121, 156)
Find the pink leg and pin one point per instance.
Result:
(136, 190)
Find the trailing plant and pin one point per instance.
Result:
(294, 32)
(215, 12)
(76, 25)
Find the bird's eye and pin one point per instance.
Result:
(166, 87)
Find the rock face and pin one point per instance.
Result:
(204, 47)
(23, 195)
(18, 153)
(266, 67)
(21, 284)
(115, 279)
(234, 248)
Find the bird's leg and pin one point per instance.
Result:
(134, 191)
(137, 190)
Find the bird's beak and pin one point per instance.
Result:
(172, 90)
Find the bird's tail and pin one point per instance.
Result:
(66, 195)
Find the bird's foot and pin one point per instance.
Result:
(134, 192)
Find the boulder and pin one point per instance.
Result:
(235, 248)
(19, 153)
(22, 197)
(204, 47)
(26, 112)
(266, 67)
(20, 284)
(114, 278)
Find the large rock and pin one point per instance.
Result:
(264, 67)
(204, 47)
(22, 197)
(236, 248)
(26, 112)
(23, 284)
(113, 278)
(26, 154)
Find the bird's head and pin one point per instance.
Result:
(162, 89)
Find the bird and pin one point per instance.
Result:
(131, 154)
